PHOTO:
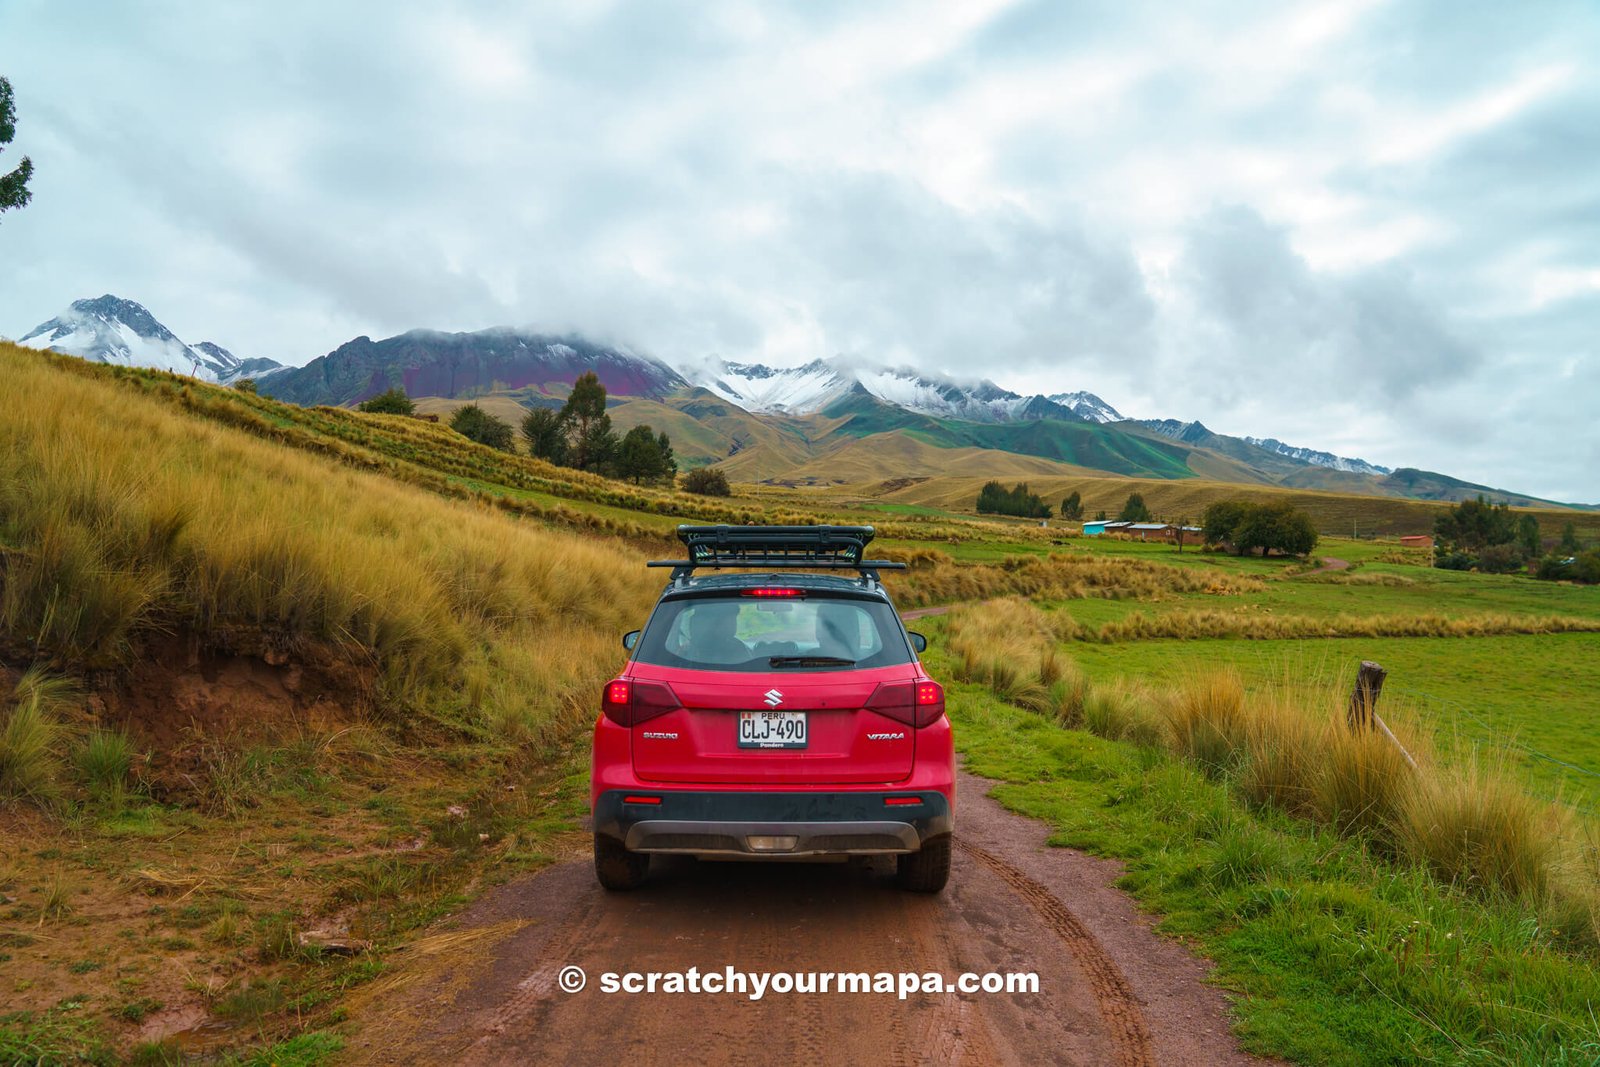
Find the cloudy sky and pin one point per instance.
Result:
(1361, 226)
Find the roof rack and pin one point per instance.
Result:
(808, 547)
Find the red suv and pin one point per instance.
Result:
(777, 712)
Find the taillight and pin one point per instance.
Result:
(769, 591)
(629, 703)
(913, 703)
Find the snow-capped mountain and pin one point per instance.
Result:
(811, 388)
(1318, 459)
(109, 329)
(1088, 406)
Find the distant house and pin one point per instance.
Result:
(1095, 528)
(1416, 541)
(1149, 531)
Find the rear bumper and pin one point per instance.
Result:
(793, 824)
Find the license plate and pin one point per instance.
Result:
(772, 729)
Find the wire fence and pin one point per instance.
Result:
(1500, 737)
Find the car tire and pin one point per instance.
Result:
(926, 870)
(615, 867)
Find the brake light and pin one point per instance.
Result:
(768, 591)
(901, 802)
(629, 703)
(916, 704)
(641, 800)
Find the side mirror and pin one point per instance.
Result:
(630, 639)
(919, 643)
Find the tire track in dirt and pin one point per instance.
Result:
(1118, 1006)
(1110, 991)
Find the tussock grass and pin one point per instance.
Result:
(1289, 748)
(1066, 577)
(1475, 828)
(1206, 721)
(1208, 624)
(103, 761)
(29, 738)
(204, 529)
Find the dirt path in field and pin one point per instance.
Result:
(923, 613)
(1329, 563)
(1110, 991)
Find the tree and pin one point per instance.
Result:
(996, 499)
(1505, 558)
(14, 186)
(245, 385)
(390, 402)
(1220, 519)
(545, 431)
(640, 456)
(1279, 527)
(595, 449)
(1473, 525)
(1134, 510)
(707, 481)
(476, 424)
(669, 462)
(1569, 539)
(1528, 538)
(1275, 527)
(593, 445)
(1100, 516)
(1072, 506)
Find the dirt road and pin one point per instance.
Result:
(1110, 990)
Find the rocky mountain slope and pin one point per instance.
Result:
(108, 329)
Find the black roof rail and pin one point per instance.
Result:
(804, 547)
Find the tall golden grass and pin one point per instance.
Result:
(1064, 577)
(1191, 624)
(1289, 747)
(121, 515)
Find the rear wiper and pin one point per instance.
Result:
(810, 661)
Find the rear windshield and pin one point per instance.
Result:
(739, 633)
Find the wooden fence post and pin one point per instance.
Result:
(1364, 706)
(1364, 697)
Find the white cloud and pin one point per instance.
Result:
(1209, 213)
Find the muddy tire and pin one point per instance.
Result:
(616, 868)
(926, 870)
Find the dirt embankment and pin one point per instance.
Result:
(1110, 990)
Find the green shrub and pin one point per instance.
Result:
(476, 424)
(707, 481)
(391, 402)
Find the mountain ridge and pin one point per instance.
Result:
(810, 409)
(109, 329)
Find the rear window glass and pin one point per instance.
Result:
(739, 633)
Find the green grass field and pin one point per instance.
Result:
(1333, 956)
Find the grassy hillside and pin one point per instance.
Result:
(1082, 444)
(706, 429)
(1341, 513)
(500, 406)
(267, 676)
(897, 456)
